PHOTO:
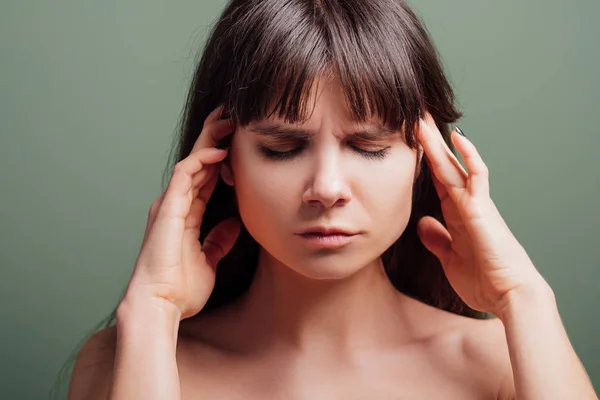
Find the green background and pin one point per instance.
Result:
(91, 94)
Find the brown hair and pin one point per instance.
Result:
(262, 53)
(268, 52)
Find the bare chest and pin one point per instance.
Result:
(411, 377)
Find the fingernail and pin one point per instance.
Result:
(459, 131)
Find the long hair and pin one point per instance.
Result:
(262, 57)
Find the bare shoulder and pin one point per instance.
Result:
(92, 373)
(485, 346)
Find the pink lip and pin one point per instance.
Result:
(328, 230)
(328, 240)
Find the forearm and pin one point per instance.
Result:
(545, 365)
(145, 364)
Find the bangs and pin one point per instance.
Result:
(284, 50)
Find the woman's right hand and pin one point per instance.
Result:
(173, 266)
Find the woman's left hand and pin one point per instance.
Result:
(481, 258)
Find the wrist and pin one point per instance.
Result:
(145, 308)
(535, 297)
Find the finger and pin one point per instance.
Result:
(179, 194)
(206, 190)
(168, 226)
(201, 178)
(215, 114)
(220, 240)
(198, 178)
(198, 181)
(434, 144)
(212, 135)
(152, 214)
(213, 130)
(478, 176)
(439, 187)
(193, 221)
(444, 163)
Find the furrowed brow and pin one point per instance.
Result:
(370, 132)
(281, 131)
(373, 133)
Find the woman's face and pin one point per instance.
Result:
(328, 173)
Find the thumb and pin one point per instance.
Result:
(220, 240)
(435, 237)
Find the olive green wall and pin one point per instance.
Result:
(90, 97)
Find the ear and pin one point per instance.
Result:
(226, 173)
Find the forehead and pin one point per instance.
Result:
(369, 131)
(325, 100)
(328, 96)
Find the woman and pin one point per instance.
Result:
(344, 252)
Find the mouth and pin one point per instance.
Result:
(327, 231)
(324, 237)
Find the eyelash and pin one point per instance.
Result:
(373, 155)
(284, 155)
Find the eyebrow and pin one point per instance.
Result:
(370, 132)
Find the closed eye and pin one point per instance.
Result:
(372, 154)
(273, 154)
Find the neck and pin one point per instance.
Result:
(360, 311)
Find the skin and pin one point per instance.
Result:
(329, 324)
(327, 183)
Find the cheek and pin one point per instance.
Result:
(266, 195)
(386, 193)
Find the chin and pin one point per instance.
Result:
(326, 266)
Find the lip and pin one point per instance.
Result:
(328, 237)
(328, 230)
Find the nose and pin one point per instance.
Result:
(328, 186)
